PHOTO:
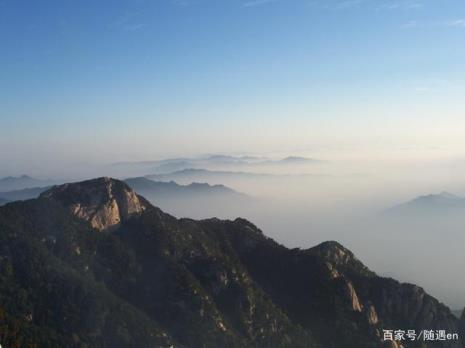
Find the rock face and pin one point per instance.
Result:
(103, 202)
(158, 281)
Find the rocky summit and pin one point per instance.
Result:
(103, 202)
(151, 280)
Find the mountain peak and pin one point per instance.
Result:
(440, 196)
(103, 202)
(295, 159)
(334, 251)
(448, 195)
(341, 257)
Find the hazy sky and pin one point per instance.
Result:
(117, 80)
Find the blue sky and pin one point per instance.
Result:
(115, 80)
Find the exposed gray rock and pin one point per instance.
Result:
(103, 202)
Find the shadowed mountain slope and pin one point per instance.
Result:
(93, 264)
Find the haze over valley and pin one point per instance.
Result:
(375, 210)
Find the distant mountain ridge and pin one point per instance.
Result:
(23, 194)
(96, 265)
(197, 173)
(217, 162)
(198, 200)
(222, 159)
(11, 183)
(171, 187)
(436, 204)
(200, 174)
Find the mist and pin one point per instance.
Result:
(304, 200)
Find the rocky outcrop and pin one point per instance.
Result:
(386, 303)
(103, 202)
(351, 297)
(340, 258)
(371, 315)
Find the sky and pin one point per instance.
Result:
(102, 81)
